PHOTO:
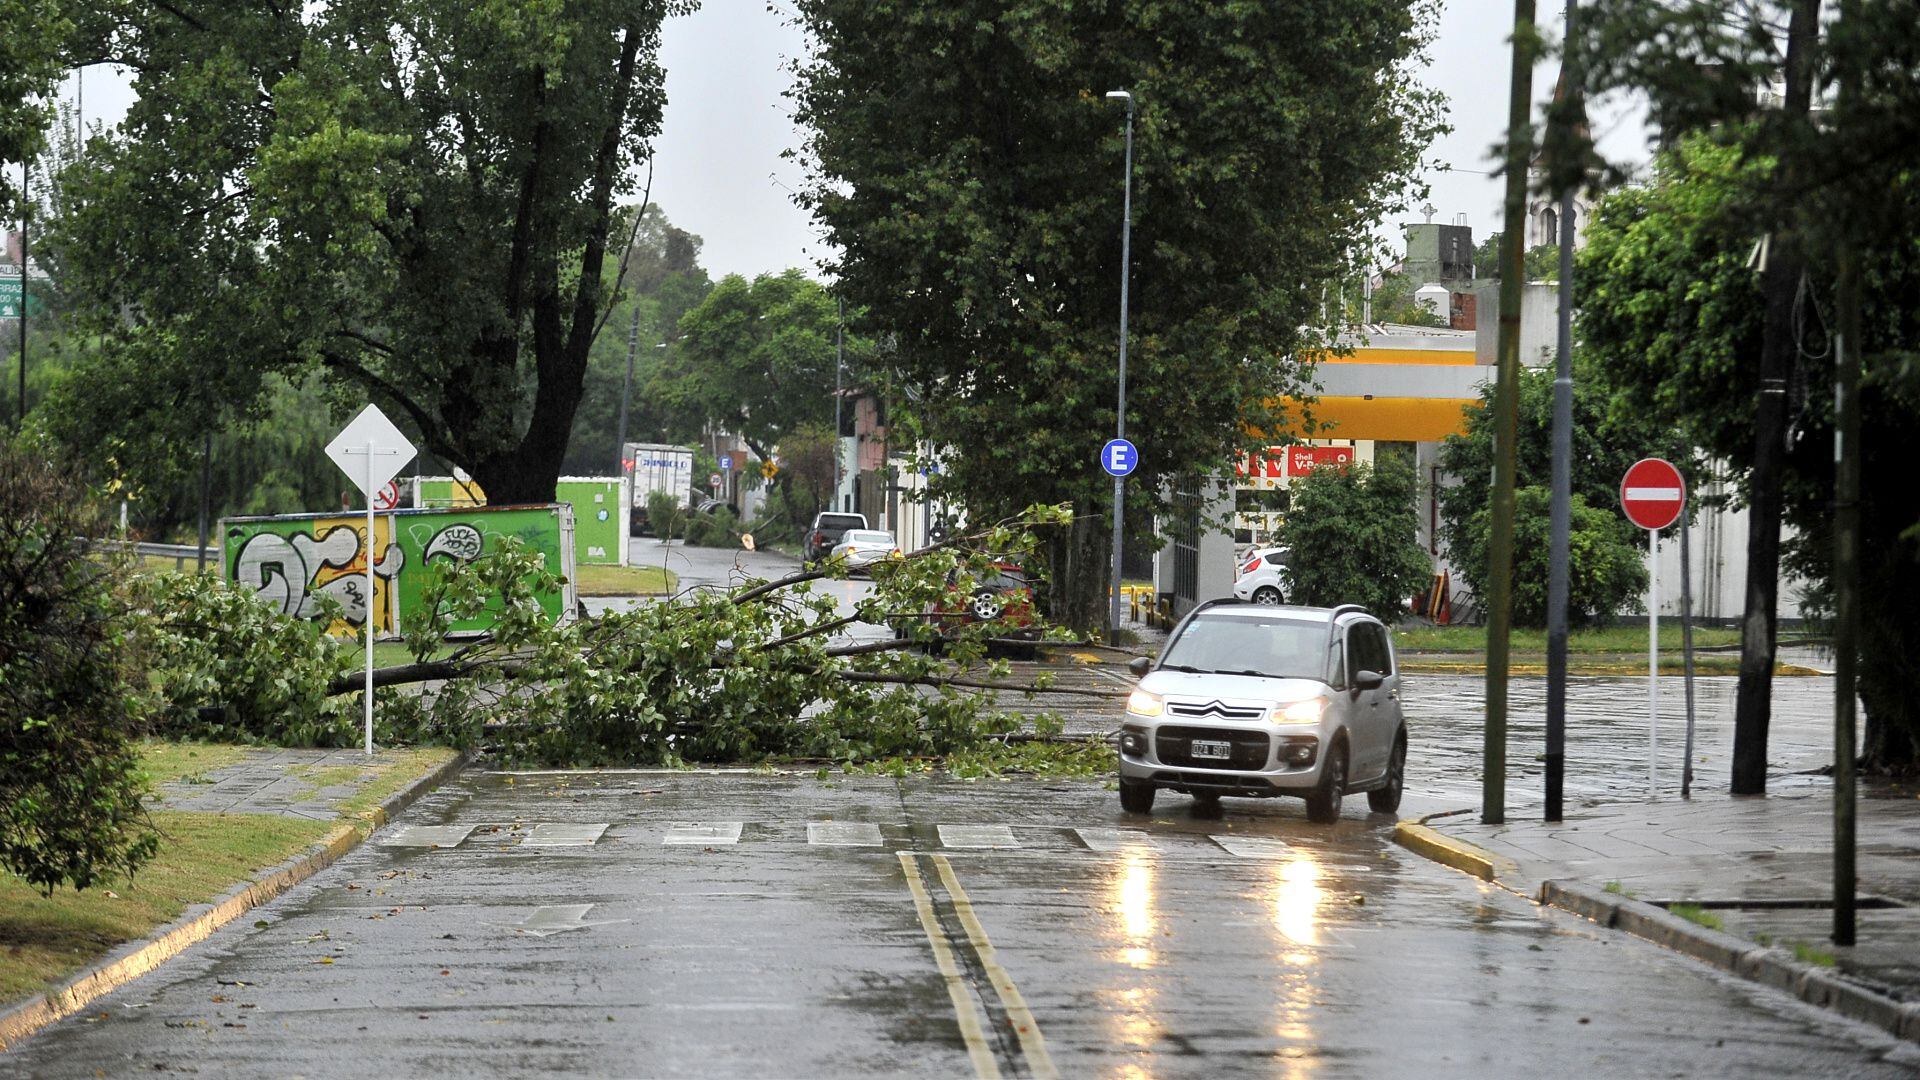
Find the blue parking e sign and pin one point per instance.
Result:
(1119, 457)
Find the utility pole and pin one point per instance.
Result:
(206, 495)
(1493, 799)
(839, 366)
(1779, 344)
(1560, 512)
(26, 212)
(626, 392)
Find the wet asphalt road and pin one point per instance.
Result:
(748, 924)
(754, 924)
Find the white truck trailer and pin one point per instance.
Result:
(657, 467)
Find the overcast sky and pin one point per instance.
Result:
(719, 171)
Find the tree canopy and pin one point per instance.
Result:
(967, 166)
(1672, 315)
(417, 198)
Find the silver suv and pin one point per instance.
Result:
(1259, 700)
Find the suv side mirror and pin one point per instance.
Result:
(1140, 665)
(1367, 680)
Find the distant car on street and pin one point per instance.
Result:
(1260, 700)
(828, 528)
(861, 548)
(1261, 576)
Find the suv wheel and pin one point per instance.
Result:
(1267, 594)
(1136, 797)
(1323, 805)
(1386, 800)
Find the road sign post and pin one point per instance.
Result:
(1652, 494)
(371, 451)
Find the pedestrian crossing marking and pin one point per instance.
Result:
(1255, 847)
(996, 837)
(969, 838)
(1114, 840)
(704, 834)
(426, 836)
(564, 835)
(843, 834)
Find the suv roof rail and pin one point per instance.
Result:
(1215, 602)
(1345, 609)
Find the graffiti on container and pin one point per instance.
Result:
(293, 572)
(459, 541)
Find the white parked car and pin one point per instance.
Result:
(861, 548)
(1264, 701)
(1261, 577)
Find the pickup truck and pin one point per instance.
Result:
(828, 528)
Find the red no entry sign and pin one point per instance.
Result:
(1652, 493)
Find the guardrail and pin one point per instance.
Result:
(181, 554)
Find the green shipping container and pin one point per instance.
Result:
(600, 511)
(292, 560)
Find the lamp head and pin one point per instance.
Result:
(1120, 95)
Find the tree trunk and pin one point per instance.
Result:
(1778, 348)
(1079, 557)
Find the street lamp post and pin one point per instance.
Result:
(1120, 415)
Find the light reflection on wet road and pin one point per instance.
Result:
(1142, 947)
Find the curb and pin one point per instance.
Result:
(134, 959)
(1444, 849)
(1810, 983)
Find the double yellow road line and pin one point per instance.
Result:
(973, 1026)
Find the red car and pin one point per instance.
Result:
(1006, 596)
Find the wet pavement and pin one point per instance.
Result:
(723, 568)
(305, 783)
(755, 924)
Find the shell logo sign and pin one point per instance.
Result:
(1302, 460)
(1275, 463)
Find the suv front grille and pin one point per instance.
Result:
(1251, 749)
(1213, 709)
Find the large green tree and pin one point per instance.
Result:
(1672, 311)
(757, 358)
(1824, 109)
(1605, 441)
(664, 280)
(967, 167)
(418, 198)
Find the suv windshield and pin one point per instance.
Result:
(840, 521)
(1277, 647)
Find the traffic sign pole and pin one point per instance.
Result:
(1653, 663)
(1652, 495)
(373, 488)
(387, 452)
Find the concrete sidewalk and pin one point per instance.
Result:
(1760, 866)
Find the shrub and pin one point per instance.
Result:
(665, 516)
(70, 785)
(1605, 575)
(1353, 536)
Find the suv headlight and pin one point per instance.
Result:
(1300, 712)
(1141, 703)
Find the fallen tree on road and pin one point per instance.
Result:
(742, 674)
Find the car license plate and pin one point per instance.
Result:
(1203, 748)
